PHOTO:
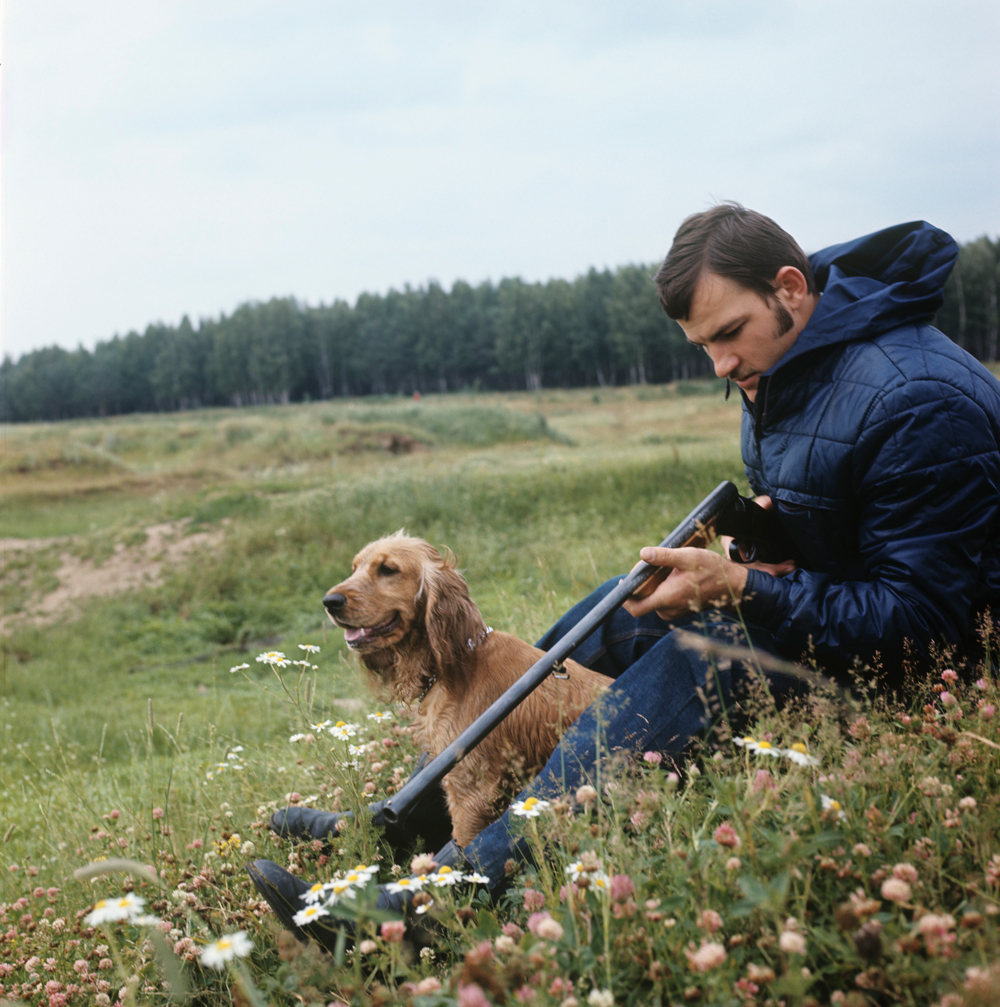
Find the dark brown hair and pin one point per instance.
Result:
(731, 241)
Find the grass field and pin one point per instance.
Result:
(145, 556)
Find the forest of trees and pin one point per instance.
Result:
(603, 328)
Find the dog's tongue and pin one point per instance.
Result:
(352, 635)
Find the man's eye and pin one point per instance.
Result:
(386, 571)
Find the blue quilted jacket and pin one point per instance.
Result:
(879, 440)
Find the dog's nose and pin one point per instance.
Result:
(334, 602)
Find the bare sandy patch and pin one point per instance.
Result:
(128, 568)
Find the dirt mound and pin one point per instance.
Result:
(127, 568)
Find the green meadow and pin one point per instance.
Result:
(146, 556)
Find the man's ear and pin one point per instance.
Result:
(790, 287)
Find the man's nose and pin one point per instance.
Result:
(725, 363)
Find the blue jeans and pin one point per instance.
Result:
(653, 703)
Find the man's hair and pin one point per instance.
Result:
(731, 241)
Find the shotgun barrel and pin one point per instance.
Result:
(697, 527)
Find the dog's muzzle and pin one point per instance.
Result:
(334, 602)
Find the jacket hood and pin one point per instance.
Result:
(875, 284)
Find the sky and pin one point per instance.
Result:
(172, 157)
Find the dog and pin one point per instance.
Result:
(407, 613)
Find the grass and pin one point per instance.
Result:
(128, 710)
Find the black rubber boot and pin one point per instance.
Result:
(283, 892)
(429, 821)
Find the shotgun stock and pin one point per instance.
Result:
(698, 528)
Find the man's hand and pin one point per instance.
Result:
(697, 579)
(774, 569)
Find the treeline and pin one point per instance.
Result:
(603, 328)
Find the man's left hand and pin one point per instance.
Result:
(698, 578)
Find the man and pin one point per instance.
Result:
(877, 441)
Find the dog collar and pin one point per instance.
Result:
(483, 633)
(427, 688)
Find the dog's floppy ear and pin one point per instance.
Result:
(451, 617)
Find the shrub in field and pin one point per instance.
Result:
(833, 855)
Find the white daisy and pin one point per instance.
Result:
(477, 879)
(343, 731)
(238, 667)
(380, 717)
(296, 737)
(405, 885)
(313, 894)
(320, 727)
(600, 882)
(309, 648)
(359, 879)
(340, 888)
(530, 808)
(829, 804)
(446, 876)
(765, 748)
(746, 742)
(309, 915)
(128, 907)
(799, 754)
(274, 658)
(225, 949)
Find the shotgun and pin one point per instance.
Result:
(698, 528)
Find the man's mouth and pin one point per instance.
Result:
(354, 636)
(743, 382)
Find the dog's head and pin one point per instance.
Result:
(402, 595)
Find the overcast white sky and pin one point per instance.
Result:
(163, 157)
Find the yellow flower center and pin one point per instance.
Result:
(341, 723)
(222, 943)
(316, 887)
(530, 803)
(835, 805)
(748, 740)
(445, 870)
(101, 904)
(799, 747)
(765, 744)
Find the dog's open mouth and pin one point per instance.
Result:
(357, 635)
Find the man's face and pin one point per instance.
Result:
(742, 333)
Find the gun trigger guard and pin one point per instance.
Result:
(559, 671)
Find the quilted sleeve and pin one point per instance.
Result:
(926, 473)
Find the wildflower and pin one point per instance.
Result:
(359, 879)
(367, 947)
(760, 973)
(239, 667)
(530, 808)
(550, 930)
(225, 949)
(504, 944)
(586, 794)
(392, 931)
(981, 683)
(309, 648)
(862, 850)
(274, 658)
(310, 914)
(746, 742)
(445, 877)
(734, 864)
(535, 920)
(342, 731)
(986, 711)
(108, 910)
(380, 717)
(799, 754)
(477, 879)
(709, 956)
(833, 808)
(340, 888)
(601, 998)
(763, 781)
(709, 920)
(949, 676)
(673, 780)
(967, 803)
(792, 943)
(653, 758)
(429, 985)
(298, 737)
(472, 996)
(405, 885)
(622, 887)
(313, 894)
(905, 872)
(948, 699)
(896, 890)
(725, 835)
(534, 900)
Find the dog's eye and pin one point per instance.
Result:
(387, 571)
